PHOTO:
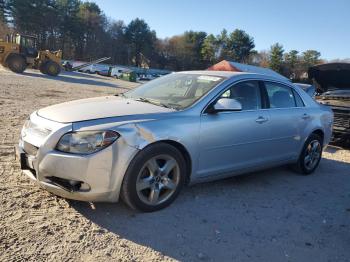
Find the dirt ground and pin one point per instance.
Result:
(275, 215)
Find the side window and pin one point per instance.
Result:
(299, 102)
(280, 96)
(247, 93)
(226, 94)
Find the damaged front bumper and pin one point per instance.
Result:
(55, 178)
(92, 178)
(97, 177)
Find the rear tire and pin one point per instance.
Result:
(16, 63)
(310, 156)
(154, 178)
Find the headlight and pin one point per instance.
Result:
(86, 142)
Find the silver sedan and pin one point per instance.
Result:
(183, 128)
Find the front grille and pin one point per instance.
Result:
(30, 149)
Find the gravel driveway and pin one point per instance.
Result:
(275, 215)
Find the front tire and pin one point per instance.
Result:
(51, 68)
(310, 156)
(154, 178)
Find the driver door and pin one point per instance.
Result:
(235, 140)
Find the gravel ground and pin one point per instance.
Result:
(275, 215)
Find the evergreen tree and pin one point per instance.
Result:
(82, 31)
(311, 57)
(140, 39)
(240, 46)
(68, 25)
(291, 61)
(209, 49)
(276, 57)
(35, 17)
(223, 42)
(2, 11)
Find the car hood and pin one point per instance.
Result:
(97, 108)
(331, 76)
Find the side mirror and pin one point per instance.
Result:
(227, 104)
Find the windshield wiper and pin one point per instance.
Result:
(172, 106)
(120, 94)
(146, 100)
(167, 106)
(153, 102)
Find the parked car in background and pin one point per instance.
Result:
(146, 77)
(104, 72)
(332, 82)
(94, 68)
(116, 72)
(67, 65)
(187, 127)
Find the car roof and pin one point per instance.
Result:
(302, 84)
(230, 74)
(226, 74)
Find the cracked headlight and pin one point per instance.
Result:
(86, 142)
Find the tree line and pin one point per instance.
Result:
(83, 32)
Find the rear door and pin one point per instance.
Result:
(288, 118)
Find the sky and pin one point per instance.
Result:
(296, 24)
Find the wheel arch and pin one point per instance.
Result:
(319, 132)
(184, 152)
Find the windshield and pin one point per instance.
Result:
(28, 42)
(177, 90)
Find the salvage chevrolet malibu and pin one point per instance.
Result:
(183, 128)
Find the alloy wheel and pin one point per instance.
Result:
(312, 154)
(158, 179)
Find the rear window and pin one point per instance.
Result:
(280, 96)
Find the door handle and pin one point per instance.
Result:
(305, 116)
(261, 119)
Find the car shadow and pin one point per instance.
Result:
(332, 148)
(80, 74)
(74, 78)
(341, 144)
(223, 220)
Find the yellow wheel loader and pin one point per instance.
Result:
(18, 52)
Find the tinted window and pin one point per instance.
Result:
(280, 96)
(247, 93)
(299, 102)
